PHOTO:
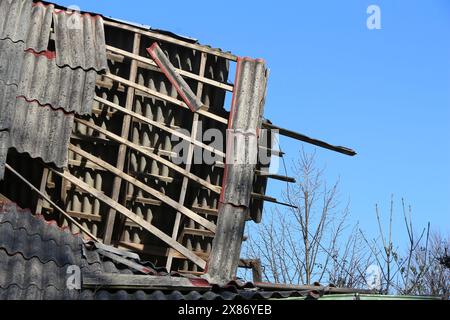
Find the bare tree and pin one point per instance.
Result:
(416, 271)
(303, 245)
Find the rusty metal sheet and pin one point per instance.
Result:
(61, 88)
(80, 41)
(41, 131)
(26, 22)
(4, 147)
(183, 89)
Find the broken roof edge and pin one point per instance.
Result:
(189, 42)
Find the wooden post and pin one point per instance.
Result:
(117, 184)
(242, 147)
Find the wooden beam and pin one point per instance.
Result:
(202, 221)
(161, 126)
(138, 282)
(42, 188)
(275, 176)
(216, 189)
(165, 38)
(120, 164)
(132, 216)
(151, 65)
(164, 97)
(301, 137)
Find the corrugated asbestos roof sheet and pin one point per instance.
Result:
(39, 78)
(41, 131)
(80, 41)
(25, 22)
(35, 255)
(41, 90)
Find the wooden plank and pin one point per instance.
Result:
(170, 202)
(275, 176)
(298, 136)
(207, 211)
(146, 63)
(120, 164)
(165, 38)
(164, 97)
(153, 156)
(133, 217)
(138, 282)
(42, 188)
(161, 126)
(184, 90)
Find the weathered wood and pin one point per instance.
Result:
(301, 137)
(275, 176)
(161, 126)
(120, 164)
(162, 37)
(137, 282)
(184, 91)
(132, 216)
(151, 65)
(170, 202)
(42, 188)
(170, 165)
(46, 198)
(164, 97)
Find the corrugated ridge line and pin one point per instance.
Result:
(17, 241)
(80, 41)
(24, 271)
(40, 79)
(61, 88)
(26, 22)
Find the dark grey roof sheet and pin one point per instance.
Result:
(80, 41)
(46, 82)
(35, 254)
(61, 88)
(40, 131)
(26, 22)
(39, 78)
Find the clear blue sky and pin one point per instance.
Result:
(385, 93)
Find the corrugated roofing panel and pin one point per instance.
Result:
(11, 56)
(80, 41)
(26, 22)
(61, 88)
(31, 271)
(245, 121)
(41, 131)
(39, 78)
(8, 96)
